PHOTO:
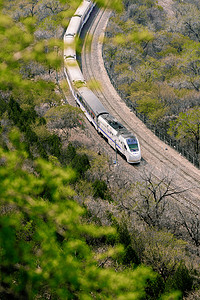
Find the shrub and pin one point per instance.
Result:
(130, 256)
(100, 189)
(181, 280)
(79, 162)
(154, 288)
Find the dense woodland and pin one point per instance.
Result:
(153, 61)
(70, 230)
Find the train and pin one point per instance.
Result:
(116, 134)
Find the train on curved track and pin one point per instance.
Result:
(114, 132)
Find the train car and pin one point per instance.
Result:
(73, 71)
(69, 47)
(90, 105)
(73, 75)
(74, 26)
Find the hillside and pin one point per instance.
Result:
(157, 73)
(72, 225)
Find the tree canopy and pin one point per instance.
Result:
(157, 71)
(187, 127)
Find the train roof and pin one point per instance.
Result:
(69, 39)
(118, 126)
(91, 99)
(73, 71)
(69, 46)
(83, 8)
(74, 26)
(69, 52)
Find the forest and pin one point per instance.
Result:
(70, 227)
(153, 62)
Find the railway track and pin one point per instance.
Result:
(156, 155)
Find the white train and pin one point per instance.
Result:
(115, 133)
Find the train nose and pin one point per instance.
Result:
(134, 158)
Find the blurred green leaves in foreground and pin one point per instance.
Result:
(42, 238)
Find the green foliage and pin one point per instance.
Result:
(174, 295)
(111, 4)
(70, 153)
(151, 107)
(155, 288)
(43, 251)
(79, 162)
(35, 92)
(130, 256)
(100, 190)
(10, 35)
(54, 145)
(187, 127)
(3, 106)
(24, 119)
(123, 233)
(181, 280)
(137, 37)
(162, 251)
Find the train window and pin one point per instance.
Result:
(80, 98)
(125, 147)
(132, 144)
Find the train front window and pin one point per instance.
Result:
(132, 144)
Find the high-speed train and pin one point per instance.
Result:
(115, 133)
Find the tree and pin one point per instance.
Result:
(181, 280)
(162, 251)
(64, 118)
(152, 108)
(189, 64)
(19, 51)
(188, 20)
(190, 220)
(186, 128)
(100, 189)
(153, 194)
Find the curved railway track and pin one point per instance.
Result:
(156, 155)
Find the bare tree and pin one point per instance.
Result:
(53, 6)
(153, 197)
(32, 7)
(191, 222)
